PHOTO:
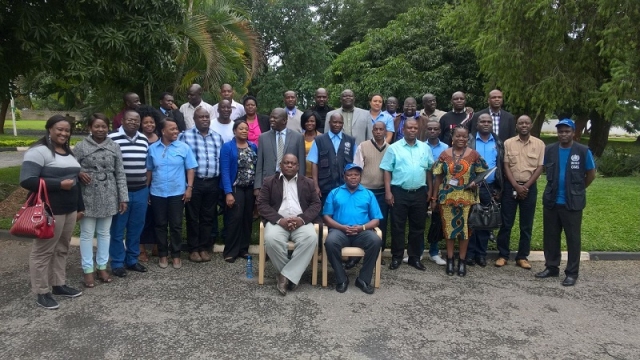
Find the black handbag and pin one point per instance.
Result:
(485, 217)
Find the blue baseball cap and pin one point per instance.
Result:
(567, 122)
(352, 166)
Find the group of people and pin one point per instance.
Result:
(350, 169)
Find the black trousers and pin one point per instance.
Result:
(168, 211)
(527, 213)
(366, 240)
(384, 208)
(555, 220)
(410, 205)
(201, 213)
(240, 217)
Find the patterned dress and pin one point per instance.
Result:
(454, 200)
(247, 159)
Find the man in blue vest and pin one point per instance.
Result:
(570, 170)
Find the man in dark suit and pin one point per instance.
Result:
(288, 204)
(274, 144)
(504, 124)
(169, 109)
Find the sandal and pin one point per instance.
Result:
(88, 281)
(230, 259)
(143, 256)
(104, 277)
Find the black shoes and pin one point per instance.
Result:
(395, 264)
(137, 267)
(449, 267)
(462, 267)
(342, 287)
(548, 273)
(570, 280)
(66, 291)
(366, 288)
(470, 261)
(481, 261)
(119, 272)
(47, 301)
(350, 264)
(415, 262)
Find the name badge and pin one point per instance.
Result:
(453, 182)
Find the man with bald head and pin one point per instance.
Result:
(293, 113)
(194, 100)
(427, 114)
(409, 111)
(523, 164)
(458, 116)
(321, 107)
(226, 93)
(274, 144)
(391, 106)
(504, 124)
(131, 102)
(357, 121)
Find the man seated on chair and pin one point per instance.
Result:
(289, 204)
(352, 213)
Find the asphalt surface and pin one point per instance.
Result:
(212, 311)
(11, 158)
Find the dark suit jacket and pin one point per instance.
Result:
(178, 117)
(507, 127)
(270, 199)
(263, 122)
(268, 153)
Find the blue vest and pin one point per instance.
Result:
(575, 190)
(330, 165)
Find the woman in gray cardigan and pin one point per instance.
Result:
(104, 191)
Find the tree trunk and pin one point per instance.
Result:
(581, 124)
(3, 113)
(599, 133)
(538, 121)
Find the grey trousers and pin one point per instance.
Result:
(48, 258)
(276, 238)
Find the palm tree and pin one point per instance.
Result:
(216, 44)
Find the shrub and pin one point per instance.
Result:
(616, 163)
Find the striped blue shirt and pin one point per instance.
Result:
(134, 157)
(206, 149)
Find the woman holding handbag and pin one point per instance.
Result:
(454, 170)
(101, 177)
(51, 159)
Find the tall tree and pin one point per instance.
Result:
(548, 55)
(405, 60)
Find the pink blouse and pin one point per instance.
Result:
(254, 131)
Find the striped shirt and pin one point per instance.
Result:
(206, 149)
(134, 157)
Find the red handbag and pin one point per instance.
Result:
(35, 218)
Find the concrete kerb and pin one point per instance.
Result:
(537, 256)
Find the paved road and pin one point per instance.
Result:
(10, 158)
(212, 311)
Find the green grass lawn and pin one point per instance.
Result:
(24, 125)
(611, 219)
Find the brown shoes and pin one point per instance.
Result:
(143, 255)
(195, 257)
(523, 263)
(500, 262)
(204, 255)
(282, 284)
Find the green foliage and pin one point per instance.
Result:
(616, 163)
(10, 175)
(404, 59)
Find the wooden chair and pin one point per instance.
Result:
(262, 257)
(349, 252)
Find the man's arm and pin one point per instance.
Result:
(264, 203)
(591, 175)
(334, 224)
(315, 206)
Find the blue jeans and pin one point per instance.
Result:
(479, 240)
(133, 221)
(89, 226)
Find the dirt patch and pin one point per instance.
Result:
(13, 202)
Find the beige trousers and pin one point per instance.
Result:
(48, 258)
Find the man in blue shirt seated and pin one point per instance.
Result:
(351, 212)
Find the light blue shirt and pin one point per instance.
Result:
(408, 164)
(489, 152)
(436, 150)
(335, 140)
(386, 119)
(357, 208)
(168, 165)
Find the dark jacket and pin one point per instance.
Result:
(507, 127)
(270, 199)
(263, 122)
(575, 189)
(177, 116)
(330, 164)
(498, 185)
(229, 164)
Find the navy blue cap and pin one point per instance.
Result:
(352, 166)
(566, 122)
